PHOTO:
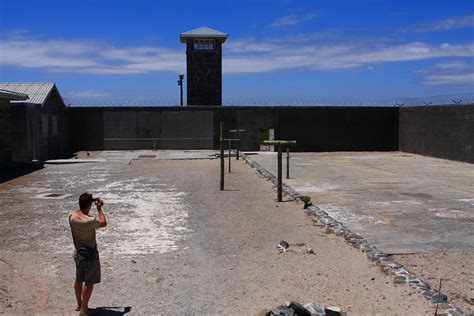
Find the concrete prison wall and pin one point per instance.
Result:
(438, 131)
(149, 128)
(314, 128)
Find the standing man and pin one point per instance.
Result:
(86, 255)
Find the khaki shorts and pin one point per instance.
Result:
(89, 274)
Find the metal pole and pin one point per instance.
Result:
(180, 84)
(229, 155)
(222, 155)
(279, 174)
(439, 294)
(287, 162)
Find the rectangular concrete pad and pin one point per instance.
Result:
(400, 202)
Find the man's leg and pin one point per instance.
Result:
(92, 276)
(86, 295)
(78, 291)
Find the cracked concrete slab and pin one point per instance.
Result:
(402, 203)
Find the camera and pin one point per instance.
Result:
(97, 201)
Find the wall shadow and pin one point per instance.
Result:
(10, 172)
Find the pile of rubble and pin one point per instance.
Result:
(294, 308)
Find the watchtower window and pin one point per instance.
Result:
(204, 44)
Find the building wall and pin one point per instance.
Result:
(57, 132)
(39, 133)
(438, 131)
(5, 132)
(204, 75)
(314, 128)
(26, 131)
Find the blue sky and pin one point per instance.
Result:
(276, 50)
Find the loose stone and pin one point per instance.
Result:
(399, 279)
(333, 311)
(314, 308)
(283, 310)
(443, 298)
(299, 309)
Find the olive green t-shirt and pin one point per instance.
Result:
(83, 227)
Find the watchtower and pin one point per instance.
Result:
(204, 65)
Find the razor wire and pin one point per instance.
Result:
(444, 100)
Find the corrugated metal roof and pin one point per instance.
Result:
(203, 32)
(36, 91)
(11, 95)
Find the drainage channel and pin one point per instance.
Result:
(53, 196)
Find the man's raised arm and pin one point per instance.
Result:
(101, 214)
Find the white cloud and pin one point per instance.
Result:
(458, 73)
(87, 56)
(333, 56)
(465, 79)
(446, 24)
(453, 65)
(292, 19)
(87, 94)
(240, 56)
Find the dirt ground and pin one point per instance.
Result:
(175, 244)
(456, 268)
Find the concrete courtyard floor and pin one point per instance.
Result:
(418, 209)
(175, 244)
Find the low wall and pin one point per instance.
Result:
(438, 131)
(314, 128)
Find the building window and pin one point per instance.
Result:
(204, 44)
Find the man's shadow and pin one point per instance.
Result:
(110, 311)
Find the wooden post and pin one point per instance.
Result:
(279, 175)
(237, 146)
(222, 155)
(280, 144)
(287, 162)
(229, 154)
(238, 136)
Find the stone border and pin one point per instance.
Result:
(400, 273)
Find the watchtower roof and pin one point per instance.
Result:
(203, 32)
